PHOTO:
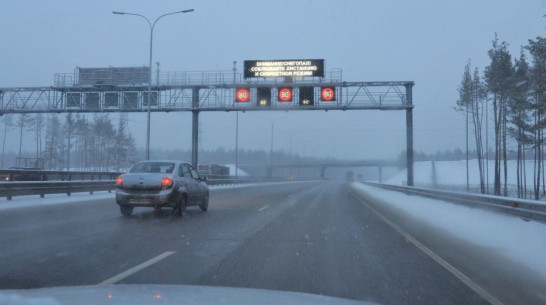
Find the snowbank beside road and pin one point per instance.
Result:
(506, 235)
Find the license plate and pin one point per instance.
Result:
(140, 201)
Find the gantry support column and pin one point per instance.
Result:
(195, 128)
(409, 133)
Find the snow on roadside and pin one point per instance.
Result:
(52, 199)
(523, 242)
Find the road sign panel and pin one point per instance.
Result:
(242, 95)
(307, 96)
(328, 94)
(285, 95)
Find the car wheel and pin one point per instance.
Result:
(181, 207)
(204, 205)
(126, 210)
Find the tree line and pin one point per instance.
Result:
(76, 143)
(512, 90)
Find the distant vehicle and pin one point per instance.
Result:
(213, 170)
(160, 184)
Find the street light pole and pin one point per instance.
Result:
(152, 26)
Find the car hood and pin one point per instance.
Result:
(163, 294)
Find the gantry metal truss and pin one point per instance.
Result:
(210, 91)
(349, 96)
(200, 91)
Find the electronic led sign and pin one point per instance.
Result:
(284, 68)
(285, 95)
(263, 96)
(328, 94)
(242, 95)
(307, 96)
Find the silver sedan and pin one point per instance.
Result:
(159, 184)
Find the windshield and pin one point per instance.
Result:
(390, 152)
(152, 167)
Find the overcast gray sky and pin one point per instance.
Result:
(428, 42)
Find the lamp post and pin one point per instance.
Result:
(152, 26)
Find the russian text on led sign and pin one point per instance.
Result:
(284, 68)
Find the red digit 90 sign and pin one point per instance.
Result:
(285, 95)
(328, 94)
(242, 95)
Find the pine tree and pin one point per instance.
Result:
(519, 108)
(54, 143)
(24, 123)
(498, 77)
(537, 76)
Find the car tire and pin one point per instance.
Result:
(204, 205)
(180, 209)
(126, 210)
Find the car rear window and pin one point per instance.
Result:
(153, 167)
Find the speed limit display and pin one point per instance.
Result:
(285, 94)
(328, 94)
(242, 95)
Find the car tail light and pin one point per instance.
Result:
(166, 183)
(119, 182)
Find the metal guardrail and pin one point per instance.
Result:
(524, 208)
(16, 188)
(10, 189)
(49, 175)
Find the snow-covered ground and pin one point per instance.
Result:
(454, 173)
(51, 199)
(506, 235)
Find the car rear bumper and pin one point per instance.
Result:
(145, 200)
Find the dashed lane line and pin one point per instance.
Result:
(263, 208)
(135, 269)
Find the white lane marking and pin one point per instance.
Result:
(456, 272)
(263, 208)
(136, 269)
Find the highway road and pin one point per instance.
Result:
(313, 237)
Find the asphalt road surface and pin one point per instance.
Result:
(312, 237)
